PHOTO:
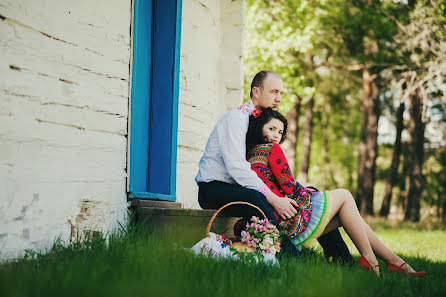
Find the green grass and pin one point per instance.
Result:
(423, 240)
(140, 262)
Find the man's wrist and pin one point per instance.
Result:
(271, 197)
(265, 190)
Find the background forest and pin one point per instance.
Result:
(365, 96)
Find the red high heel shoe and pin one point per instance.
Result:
(400, 269)
(365, 264)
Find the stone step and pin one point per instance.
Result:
(160, 211)
(155, 203)
(192, 222)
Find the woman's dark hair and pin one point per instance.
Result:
(255, 133)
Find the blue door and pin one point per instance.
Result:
(154, 99)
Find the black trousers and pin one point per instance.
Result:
(213, 195)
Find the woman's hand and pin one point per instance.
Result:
(284, 207)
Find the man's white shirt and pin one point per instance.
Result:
(224, 158)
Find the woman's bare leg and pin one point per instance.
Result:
(345, 213)
(378, 247)
(382, 251)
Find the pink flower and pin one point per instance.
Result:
(245, 235)
(261, 235)
(259, 228)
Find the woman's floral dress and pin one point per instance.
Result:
(270, 164)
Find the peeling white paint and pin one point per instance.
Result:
(93, 217)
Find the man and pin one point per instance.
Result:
(225, 175)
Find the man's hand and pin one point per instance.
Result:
(284, 207)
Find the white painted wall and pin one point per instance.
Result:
(64, 94)
(211, 81)
(64, 68)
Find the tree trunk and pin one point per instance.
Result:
(402, 199)
(416, 155)
(328, 174)
(443, 211)
(368, 145)
(290, 143)
(306, 142)
(385, 207)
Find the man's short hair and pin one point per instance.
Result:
(258, 79)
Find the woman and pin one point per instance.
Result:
(318, 212)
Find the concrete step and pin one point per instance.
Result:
(192, 222)
(155, 203)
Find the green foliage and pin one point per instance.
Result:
(320, 49)
(275, 40)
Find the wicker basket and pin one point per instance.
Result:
(239, 246)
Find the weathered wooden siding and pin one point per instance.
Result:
(64, 88)
(211, 81)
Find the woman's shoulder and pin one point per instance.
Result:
(276, 147)
(276, 152)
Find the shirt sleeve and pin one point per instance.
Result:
(281, 170)
(232, 138)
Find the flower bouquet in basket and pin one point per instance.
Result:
(258, 242)
(259, 236)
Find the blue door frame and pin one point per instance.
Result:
(154, 99)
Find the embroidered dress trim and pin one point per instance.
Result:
(319, 220)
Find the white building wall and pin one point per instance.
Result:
(64, 95)
(64, 91)
(211, 81)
